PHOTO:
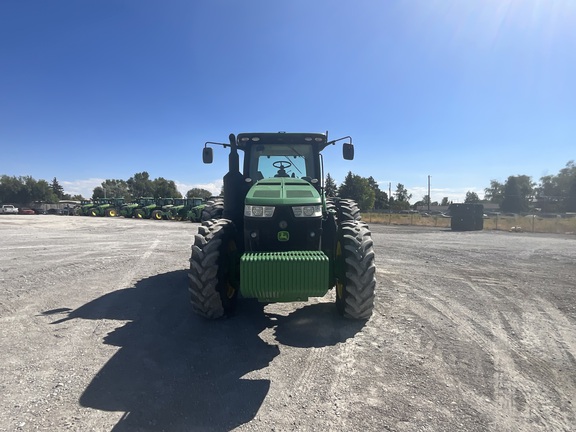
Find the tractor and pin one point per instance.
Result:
(274, 236)
(195, 209)
(84, 208)
(107, 207)
(150, 208)
(186, 209)
(127, 210)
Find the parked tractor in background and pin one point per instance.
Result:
(166, 205)
(186, 209)
(127, 210)
(107, 207)
(178, 211)
(84, 208)
(274, 236)
(195, 209)
(149, 208)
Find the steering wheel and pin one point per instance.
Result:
(282, 165)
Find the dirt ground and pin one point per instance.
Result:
(472, 331)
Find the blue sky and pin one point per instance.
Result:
(463, 91)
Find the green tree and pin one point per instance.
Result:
(140, 185)
(401, 198)
(471, 198)
(570, 203)
(330, 187)
(357, 188)
(57, 189)
(113, 188)
(494, 193)
(165, 188)
(513, 201)
(380, 197)
(25, 190)
(445, 201)
(198, 193)
(554, 190)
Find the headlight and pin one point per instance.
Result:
(258, 211)
(307, 211)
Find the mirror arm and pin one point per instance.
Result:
(333, 142)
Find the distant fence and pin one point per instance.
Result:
(560, 224)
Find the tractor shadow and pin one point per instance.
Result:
(175, 371)
(314, 326)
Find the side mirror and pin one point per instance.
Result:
(348, 151)
(207, 155)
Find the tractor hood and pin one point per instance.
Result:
(283, 191)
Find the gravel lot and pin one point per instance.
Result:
(472, 331)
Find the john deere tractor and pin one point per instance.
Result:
(84, 208)
(149, 208)
(107, 207)
(274, 236)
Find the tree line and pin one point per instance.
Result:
(25, 190)
(554, 193)
(141, 185)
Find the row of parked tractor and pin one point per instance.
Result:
(181, 209)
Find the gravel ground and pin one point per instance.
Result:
(472, 331)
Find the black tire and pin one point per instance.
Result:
(213, 285)
(111, 212)
(94, 212)
(355, 271)
(139, 214)
(330, 205)
(213, 210)
(156, 215)
(346, 209)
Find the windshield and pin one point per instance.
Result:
(273, 160)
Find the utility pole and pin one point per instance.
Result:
(429, 197)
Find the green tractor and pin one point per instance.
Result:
(107, 207)
(84, 208)
(195, 209)
(127, 210)
(185, 209)
(275, 237)
(150, 208)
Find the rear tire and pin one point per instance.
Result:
(111, 212)
(213, 282)
(156, 215)
(348, 210)
(356, 271)
(213, 210)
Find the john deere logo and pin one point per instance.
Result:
(283, 236)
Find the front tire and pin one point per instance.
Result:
(139, 214)
(214, 270)
(111, 212)
(156, 215)
(356, 271)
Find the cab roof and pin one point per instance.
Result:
(280, 138)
